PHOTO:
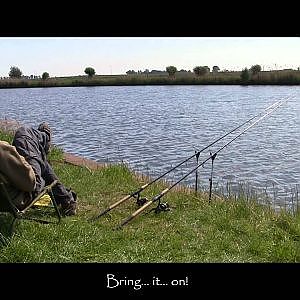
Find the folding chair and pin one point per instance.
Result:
(7, 205)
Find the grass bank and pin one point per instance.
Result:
(280, 77)
(193, 231)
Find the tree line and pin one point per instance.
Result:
(203, 70)
(15, 72)
(245, 75)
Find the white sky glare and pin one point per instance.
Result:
(69, 56)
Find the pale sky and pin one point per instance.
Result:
(69, 56)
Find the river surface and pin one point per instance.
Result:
(152, 128)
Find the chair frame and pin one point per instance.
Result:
(21, 214)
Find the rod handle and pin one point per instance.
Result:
(133, 215)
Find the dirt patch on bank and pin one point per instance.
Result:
(9, 126)
(82, 161)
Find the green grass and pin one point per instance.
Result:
(193, 231)
(6, 137)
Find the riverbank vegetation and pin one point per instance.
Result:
(182, 77)
(194, 230)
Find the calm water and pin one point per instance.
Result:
(154, 127)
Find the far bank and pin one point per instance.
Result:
(280, 77)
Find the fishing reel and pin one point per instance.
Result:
(162, 207)
(140, 201)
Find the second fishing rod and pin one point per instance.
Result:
(136, 194)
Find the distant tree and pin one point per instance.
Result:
(216, 69)
(129, 72)
(90, 71)
(197, 70)
(45, 75)
(15, 72)
(146, 72)
(157, 72)
(255, 69)
(171, 70)
(200, 71)
(207, 68)
(245, 75)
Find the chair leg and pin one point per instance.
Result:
(55, 205)
(47, 189)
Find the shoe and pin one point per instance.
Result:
(69, 209)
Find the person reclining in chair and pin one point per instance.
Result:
(17, 176)
(34, 145)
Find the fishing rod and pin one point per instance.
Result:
(196, 154)
(212, 157)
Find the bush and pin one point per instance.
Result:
(171, 70)
(15, 72)
(90, 71)
(45, 75)
(245, 75)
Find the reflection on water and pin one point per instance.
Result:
(152, 128)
